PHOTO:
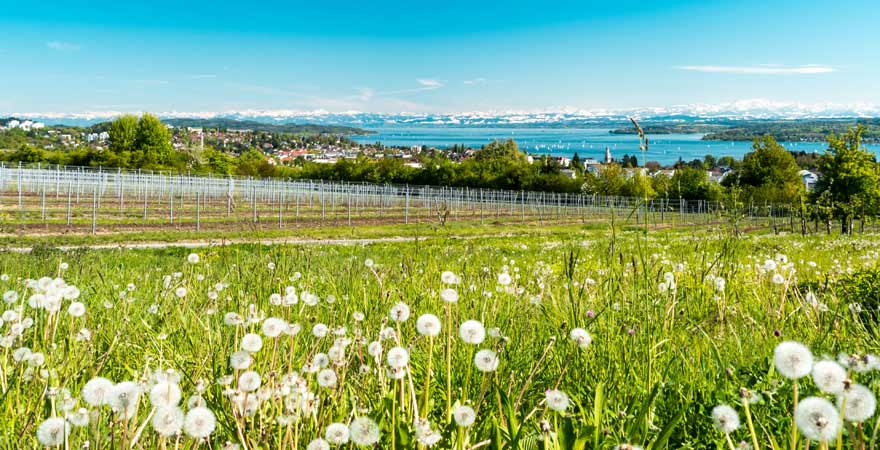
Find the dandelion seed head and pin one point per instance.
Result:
(327, 378)
(336, 434)
(397, 357)
(428, 325)
(251, 342)
(399, 312)
(464, 416)
(274, 327)
(95, 392)
(364, 431)
(580, 337)
(829, 376)
(318, 444)
(725, 418)
(556, 400)
(792, 359)
(858, 403)
(817, 419)
(52, 432)
(249, 381)
(165, 394)
(123, 398)
(199, 422)
(486, 360)
(449, 295)
(472, 332)
(168, 421)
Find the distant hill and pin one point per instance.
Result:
(233, 124)
(796, 131)
(812, 130)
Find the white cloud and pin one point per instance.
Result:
(430, 84)
(63, 46)
(151, 82)
(365, 94)
(767, 69)
(479, 80)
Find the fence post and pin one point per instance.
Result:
(68, 202)
(95, 209)
(198, 210)
(406, 207)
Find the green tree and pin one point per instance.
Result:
(769, 173)
(849, 181)
(609, 180)
(123, 134)
(692, 184)
(153, 142)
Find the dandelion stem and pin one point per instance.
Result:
(428, 375)
(794, 431)
(751, 425)
(448, 365)
(729, 442)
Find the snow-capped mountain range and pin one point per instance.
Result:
(739, 110)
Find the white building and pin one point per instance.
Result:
(810, 179)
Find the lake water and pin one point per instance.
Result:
(587, 142)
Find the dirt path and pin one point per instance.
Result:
(224, 242)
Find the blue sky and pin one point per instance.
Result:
(451, 56)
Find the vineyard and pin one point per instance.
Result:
(96, 200)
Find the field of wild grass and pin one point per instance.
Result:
(584, 342)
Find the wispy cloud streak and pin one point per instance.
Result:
(63, 46)
(809, 69)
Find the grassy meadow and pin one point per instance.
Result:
(580, 340)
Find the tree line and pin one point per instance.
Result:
(848, 186)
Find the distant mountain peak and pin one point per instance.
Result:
(737, 110)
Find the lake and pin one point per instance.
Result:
(587, 142)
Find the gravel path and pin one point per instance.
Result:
(223, 242)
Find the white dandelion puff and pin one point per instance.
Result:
(858, 403)
(449, 295)
(725, 418)
(829, 376)
(428, 325)
(273, 327)
(199, 422)
(336, 434)
(249, 381)
(581, 337)
(123, 398)
(251, 342)
(793, 360)
(464, 416)
(817, 419)
(486, 360)
(364, 431)
(240, 360)
(318, 444)
(96, 391)
(472, 332)
(168, 421)
(327, 378)
(399, 312)
(556, 400)
(397, 357)
(53, 432)
(165, 395)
